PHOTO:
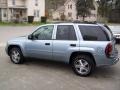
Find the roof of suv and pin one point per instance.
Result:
(76, 23)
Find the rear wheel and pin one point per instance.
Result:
(83, 65)
(16, 55)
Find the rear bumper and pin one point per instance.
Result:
(113, 59)
(116, 60)
(109, 62)
(104, 61)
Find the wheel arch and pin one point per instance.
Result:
(12, 46)
(81, 53)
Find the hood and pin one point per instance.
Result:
(21, 38)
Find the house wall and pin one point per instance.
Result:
(3, 3)
(32, 9)
(56, 15)
(28, 5)
(4, 14)
(92, 17)
(72, 10)
(17, 3)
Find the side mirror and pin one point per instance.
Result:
(30, 37)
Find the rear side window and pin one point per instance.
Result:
(66, 32)
(93, 33)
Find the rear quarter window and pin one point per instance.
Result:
(93, 33)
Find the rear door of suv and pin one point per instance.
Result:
(65, 40)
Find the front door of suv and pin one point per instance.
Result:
(65, 41)
(41, 44)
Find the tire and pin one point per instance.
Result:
(83, 65)
(16, 55)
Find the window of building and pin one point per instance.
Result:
(13, 2)
(37, 13)
(4, 13)
(71, 6)
(68, 6)
(69, 14)
(36, 2)
(66, 32)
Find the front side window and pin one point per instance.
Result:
(44, 33)
(93, 33)
(66, 32)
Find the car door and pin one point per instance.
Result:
(65, 41)
(41, 44)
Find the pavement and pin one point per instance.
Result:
(47, 75)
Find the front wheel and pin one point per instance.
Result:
(16, 56)
(83, 65)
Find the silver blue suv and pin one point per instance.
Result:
(83, 46)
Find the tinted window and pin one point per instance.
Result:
(44, 33)
(66, 32)
(93, 33)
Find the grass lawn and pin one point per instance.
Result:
(20, 24)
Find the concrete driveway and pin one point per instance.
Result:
(46, 75)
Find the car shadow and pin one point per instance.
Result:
(105, 73)
(101, 72)
(45, 64)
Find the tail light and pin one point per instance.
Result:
(108, 50)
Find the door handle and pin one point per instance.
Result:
(73, 45)
(47, 43)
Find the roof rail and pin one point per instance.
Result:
(77, 21)
(86, 22)
(57, 22)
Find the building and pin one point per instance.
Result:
(71, 13)
(70, 10)
(56, 15)
(20, 10)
